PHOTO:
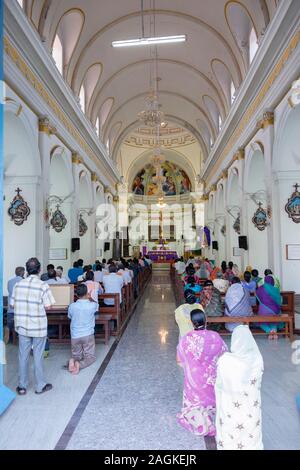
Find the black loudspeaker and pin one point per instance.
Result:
(75, 245)
(243, 243)
(215, 245)
(106, 246)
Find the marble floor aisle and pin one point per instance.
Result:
(135, 403)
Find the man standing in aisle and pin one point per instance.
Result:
(30, 298)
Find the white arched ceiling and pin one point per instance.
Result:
(69, 29)
(104, 111)
(202, 126)
(224, 78)
(113, 134)
(90, 81)
(185, 69)
(213, 111)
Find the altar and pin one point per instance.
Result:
(162, 256)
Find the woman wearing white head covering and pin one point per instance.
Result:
(238, 398)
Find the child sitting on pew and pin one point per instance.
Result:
(82, 315)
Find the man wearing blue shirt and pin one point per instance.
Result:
(75, 272)
(82, 315)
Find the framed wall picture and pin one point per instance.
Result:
(293, 252)
(58, 253)
(237, 251)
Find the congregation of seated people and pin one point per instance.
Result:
(215, 400)
(226, 291)
(30, 297)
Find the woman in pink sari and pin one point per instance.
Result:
(198, 353)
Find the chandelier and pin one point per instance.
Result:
(152, 116)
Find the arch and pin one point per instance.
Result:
(255, 191)
(104, 112)
(188, 17)
(90, 80)
(240, 24)
(113, 134)
(145, 62)
(213, 110)
(61, 177)
(224, 78)
(169, 93)
(82, 98)
(175, 119)
(174, 156)
(85, 190)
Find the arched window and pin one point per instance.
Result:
(232, 92)
(211, 142)
(220, 123)
(82, 98)
(253, 44)
(98, 127)
(21, 3)
(57, 53)
(107, 145)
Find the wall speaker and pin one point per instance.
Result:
(215, 245)
(75, 244)
(106, 246)
(243, 242)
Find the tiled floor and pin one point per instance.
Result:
(140, 392)
(134, 405)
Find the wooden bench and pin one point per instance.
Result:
(284, 318)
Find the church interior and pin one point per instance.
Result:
(151, 172)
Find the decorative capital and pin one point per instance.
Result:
(225, 174)
(116, 198)
(214, 187)
(44, 125)
(76, 159)
(240, 154)
(106, 190)
(266, 121)
(94, 177)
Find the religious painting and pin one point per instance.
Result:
(58, 220)
(237, 225)
(293, 205)
(83, 228)
(260, 218)
(176, 181)
(18, 209)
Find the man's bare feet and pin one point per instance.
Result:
(76, 368)
(71, 365)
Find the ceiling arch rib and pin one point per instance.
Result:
(129, 69)
(84, 50)
(90, 80)
(181, 122)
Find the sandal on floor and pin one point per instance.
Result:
(45, 389)
(21, 391)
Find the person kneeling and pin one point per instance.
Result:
(82, 315)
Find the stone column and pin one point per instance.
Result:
(43, 189)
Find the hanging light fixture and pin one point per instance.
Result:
(149, 41)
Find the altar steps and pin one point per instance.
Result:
(160, 267)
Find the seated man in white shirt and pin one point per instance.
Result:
(113, 284)
(180, 266)
(125, 274)
(98, 273)
(220, 283)
(60, 277)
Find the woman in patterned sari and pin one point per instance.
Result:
(237, 303)
(238, 396)
(269, 299)
(198, 352)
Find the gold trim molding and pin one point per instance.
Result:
(76, 159)
(26, 71)
(266, 121)
(258, 100)
(94, 178)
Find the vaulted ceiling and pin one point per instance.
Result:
(195, 76)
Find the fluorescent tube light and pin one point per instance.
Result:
(149, 41)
